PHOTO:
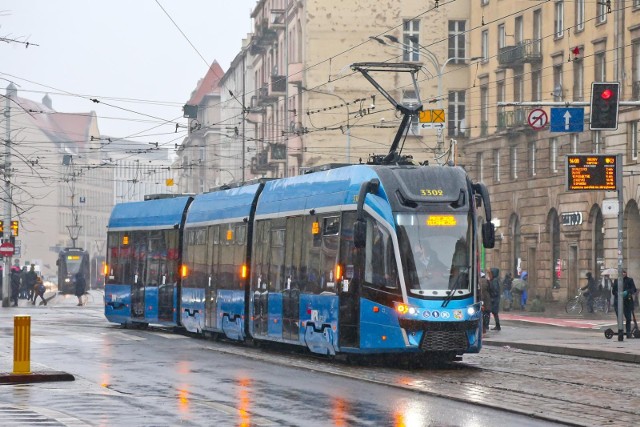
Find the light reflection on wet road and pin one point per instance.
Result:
(134, 377)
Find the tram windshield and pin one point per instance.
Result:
(74, 262)
(436, 253)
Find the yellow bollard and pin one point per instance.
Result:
(22, 344)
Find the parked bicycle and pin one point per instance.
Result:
(576, 304)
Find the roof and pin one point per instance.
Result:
(59, 127)
(207, 85)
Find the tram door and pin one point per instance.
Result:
(292, 279)
(139, 241)
(348, 293)
(211, 285)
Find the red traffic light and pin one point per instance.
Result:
(606, 94)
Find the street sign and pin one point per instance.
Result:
(430, 119)
(6, 249)
(567, 120)
(538, 119)
(591, 172)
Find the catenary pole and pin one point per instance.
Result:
(11, 92)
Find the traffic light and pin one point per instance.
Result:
(604, 106)
(14, 228)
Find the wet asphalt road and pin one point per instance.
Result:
(156, 378)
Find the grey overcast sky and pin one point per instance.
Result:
(127, 53)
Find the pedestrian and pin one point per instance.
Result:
(15, 284)
(30, 279)
(591, 289)
(507, 296)
(525, 290)
(494, 292)
(486, 302)
(38, 291)
(80, 286)
(628, 291)
(517, 289)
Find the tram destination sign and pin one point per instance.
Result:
(591, 172)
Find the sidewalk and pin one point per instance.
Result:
(554, 331)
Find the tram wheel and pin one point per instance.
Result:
(608, 333)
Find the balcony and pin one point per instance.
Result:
(260, 163)
(264, 96)
(278, 153)
(277, 19)
(265, 36)
(278, 85)
(527, 51)
(512, 120)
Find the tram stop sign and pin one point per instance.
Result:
(6, 249)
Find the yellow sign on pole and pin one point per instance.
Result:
(432, 116)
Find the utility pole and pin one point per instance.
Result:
(11, 93)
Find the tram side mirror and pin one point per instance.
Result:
(488, 235)
(360, 233)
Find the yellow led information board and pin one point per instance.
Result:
(591, 172)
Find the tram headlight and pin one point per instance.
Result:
(66, 280)
(474, 309)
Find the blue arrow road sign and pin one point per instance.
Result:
(567, 120)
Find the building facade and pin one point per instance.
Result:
(552, 52)
(58, 192)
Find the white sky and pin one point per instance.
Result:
(126, 53)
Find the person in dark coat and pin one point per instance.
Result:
(494, 292)
(628, 291)
(30, 279)
(506, 292)
(15, 284)
(81, 284)
(591, 289)
(483, 284)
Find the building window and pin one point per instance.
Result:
(536, 84)
(514, 162)
(635, 68)
(537, 31)
(600, 71)
(532, 158)
(480, 163)
(553, 154)
(485, 45)
(558, 93)
(484, 110)
(559, 19)
(456, 111)
(411, 40)
(517, 87)
(457, 41)
(579, 15)
(633, 140)
(518, 30)
(501, 36)
(486, 2)
(601, 12)
(496, 165)
(578, 80)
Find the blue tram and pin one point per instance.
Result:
(359, 259)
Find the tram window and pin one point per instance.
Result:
(277, 259)
(241, 234)
(331, 226)
(216, 234)
(380, 265)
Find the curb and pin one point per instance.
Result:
(35, 377)
(568, 351)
